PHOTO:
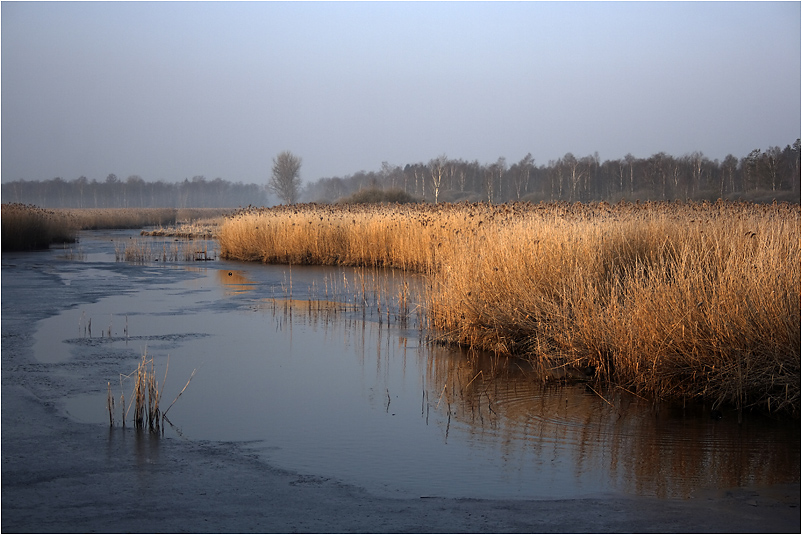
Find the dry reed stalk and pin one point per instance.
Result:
(164, 414)
(110, 405)
(139, 395)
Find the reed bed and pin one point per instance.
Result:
(129, 218)
(26, 227)
(676, 301)
(408, 237)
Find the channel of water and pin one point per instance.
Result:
(321, 371)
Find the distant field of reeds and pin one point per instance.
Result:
(28, 227)
(131, 218)
(676, 301)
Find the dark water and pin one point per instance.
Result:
(321, 371)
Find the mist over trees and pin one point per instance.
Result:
(760, 175)
(134, 192)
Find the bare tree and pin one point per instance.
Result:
(751, 167)
(630, 159)
(656, 174)
(81, 183)
(417, 170)
(575, 173)
(795, 151)
(461, 176)
(437, 168)
(520, 174)
(620, 167)
(493, 177)
(771, 157)
(728, 167)
(286, 179)
(387, 175)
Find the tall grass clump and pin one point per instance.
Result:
(667, 300)
(145, 398)
(27, 227)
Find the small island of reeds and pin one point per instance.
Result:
(667, 300)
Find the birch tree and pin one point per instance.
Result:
(437, 169)
(520, 175)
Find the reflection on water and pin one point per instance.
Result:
(644, 450)
(234, 281)
(328, 372)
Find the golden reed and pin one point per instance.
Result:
(671, 300)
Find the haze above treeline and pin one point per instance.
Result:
(769, 174)
(173, 90)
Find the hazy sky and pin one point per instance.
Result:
(173, 90)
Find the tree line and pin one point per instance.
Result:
(134, 192)
(762, 174)
(768, 174)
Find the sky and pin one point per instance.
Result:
(171, 90)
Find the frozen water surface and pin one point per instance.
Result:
(291, 361)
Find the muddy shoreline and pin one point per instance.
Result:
(65, 477)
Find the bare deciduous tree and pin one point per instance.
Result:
(285, 181)
(437, 168)
(520, 175)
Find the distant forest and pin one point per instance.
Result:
(134, 192)
(768, 174)
(761, 175)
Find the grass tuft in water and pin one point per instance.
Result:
(146, 397)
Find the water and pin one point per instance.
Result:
(289, 364)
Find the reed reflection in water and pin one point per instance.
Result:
(646, 449)
(621, 441)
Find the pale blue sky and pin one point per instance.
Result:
(172, 90)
